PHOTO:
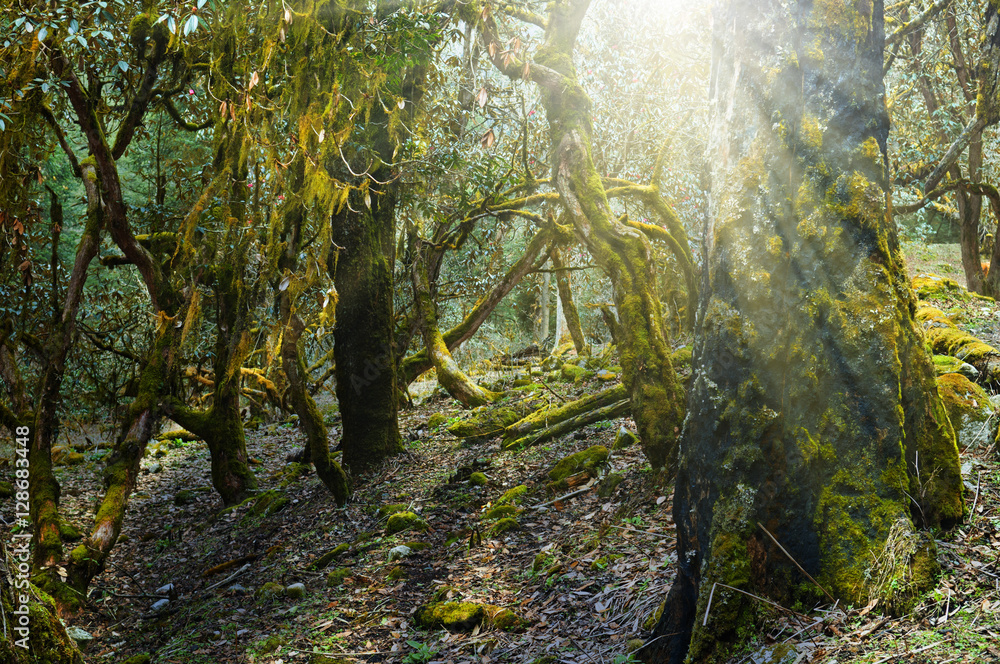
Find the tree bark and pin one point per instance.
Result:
(364, 351)
(813, 412)
(449, 374)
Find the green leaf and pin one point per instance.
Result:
(190, 25)
(123, 66)
(43, 33)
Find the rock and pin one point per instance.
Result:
(502, 526)
(271, 643)
(416, 547)
(154, 468)
(624, 438)
(452, 616)
(185, 497)
(573, 373)
(165, 590)
(322, 658)
(970, 410)
(944, 364)
(609, 484)
(606, 376)
(513, 497)
(337, 576)
(237, 589)
(589, 460)
(387, 510)
(501, 511)
(436, 420)
(59, 453)
(634, 644)
(502, 618)
(399, 552)
(295, 591)
(478, 479)
(269, 590)
(159, 605)
(397, 574)
(73, 459)
(81, 636)
(401, 521)
(138, 659)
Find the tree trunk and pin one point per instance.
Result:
(449, 374)
(420, 362)
(571, 317)
(363, 332)
(623, 253)
(310, 419)
(813, 413)
(544, 295)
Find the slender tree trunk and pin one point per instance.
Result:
(419, 362)
(449, 374)
(317, 443)
(544, 295)
(571, 317)
(813, 414)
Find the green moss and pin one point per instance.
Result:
(969, 409)
(185, 497)
(573, 373)
(589, 460)
(271, 644)
(436, 420)
(417, 546)
(6, 490)
(478, 479)
(330, 556)
(513, 496)
(624, 439)
(605, 561)
(401, 521)
(504, 525)
(397, 574)
(609, 484)
(386, 510)
(144, 658)
(292, 472)
(486, 422)
(650, 622)
(501, 618)
(933, 287)
(269, 590)
(452, 616)
(501, 511)
(945, 364)
(337, 576)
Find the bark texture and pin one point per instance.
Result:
(813, 413)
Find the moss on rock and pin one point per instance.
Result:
(588, 460)
(970, 410)
(330, 556)
(945, 364)
(513, 496)
(478, 479)
(501, 511)
(269, 590)
(610, 483)
(401, 521)
(503, 526)
(436, 420)
(452, 616)
(387, 510)
(624, 439)
(337, 576)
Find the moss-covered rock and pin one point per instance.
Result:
(185, 497)
(452, 616)
(295, 591)
(269, 590)
(944, 364)
(488, 421)
(681, 358)
(589, 460)
(502, 618)
(293, 472)
(624, 439)
(416, 546)
(401, 521)
(933, 287)
(143, 658)
(177, 434)
(478, 479)
(501, 511)
(272, 643)
(573, 373)
(513, 496)
(330, 556)
(503, 526)
(337, 576)
(969, 409)
(6, 490)
(267, 503)
(945, 338)
(73, 459)
(397, 574)
(436, 420)
(609, 484)
(386, 511)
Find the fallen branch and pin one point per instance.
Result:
(568, 425)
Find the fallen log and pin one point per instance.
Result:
(555, 413)
(617, 409)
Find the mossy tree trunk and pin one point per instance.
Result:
(449, 374)
(419, 362)
(623, 253)
(570, 313)
(813, 412)
(44, 488)
(364, 350)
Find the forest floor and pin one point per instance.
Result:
(582, 576)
